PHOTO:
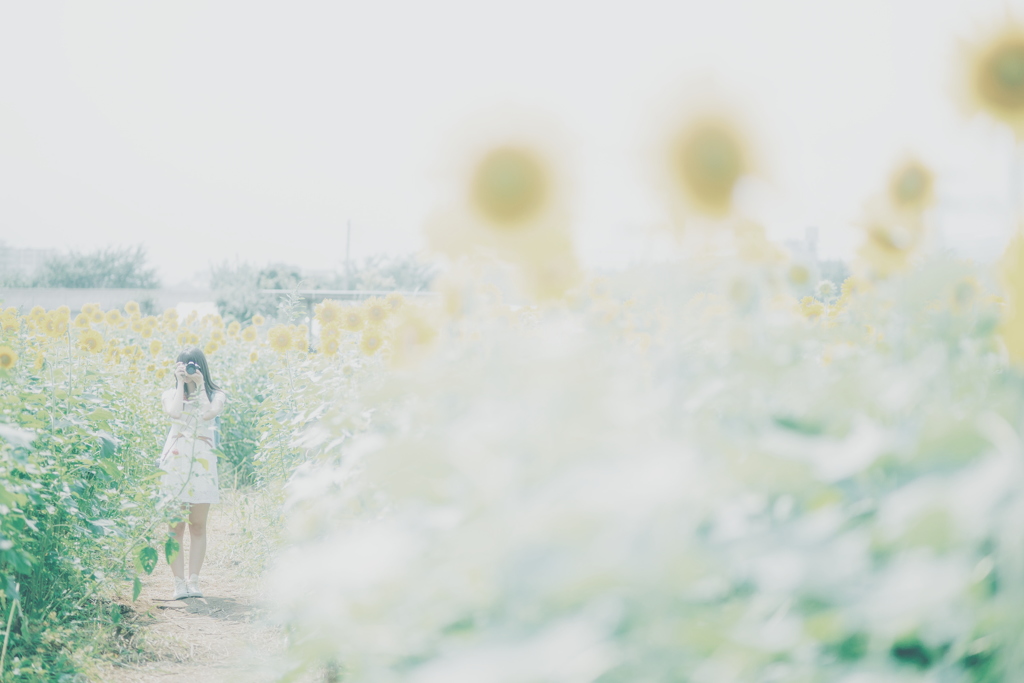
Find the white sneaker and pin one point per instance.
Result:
(194, 591)
(180, 589)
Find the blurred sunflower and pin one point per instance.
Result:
(280, 338)
(911, 186)
(510, 186)
(96, 315)
(328, 312)
(211, 348)
(811, 308)
(63, 313)
(253, 356)
(412, 337)
(136, 325)
(39, 311)
(706, 159)
(1011, 275)
(155, 346)
(217, 336)
(258, 320)
(352, 319)
(132, 308)
(376, 310)
(183, 338)
(394, 301)
(7, 358)
(891, 240)
(113, 317)
(249, 334)
(993, 76)
(82, 321)
(91, 341)
(234, 328)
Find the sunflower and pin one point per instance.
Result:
(155, 346)
(10, 322)
(376, 311)
(63, 313)
(217, 336)
(234, 328)
(707, 157)
(329, 312)
(394, 301)
(210, 348)
(37, 312)
(113, 317)
(183, 338)
(371, 341)
(249, 334)
(993, 79)
(811, 307)
(170, 314)
(330, 346)
(54, 325)
(352, 320)
(910, 187)
(136, 325)
(253, 356)
(280, 338)
(132, 308)
(87, 309)
(91, 341)
(96, 315)
(258, 320)
(7, 358)
(82, 321)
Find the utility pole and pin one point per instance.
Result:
(348, 264)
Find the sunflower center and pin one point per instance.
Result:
(710, 161)
(509, 186)
(1004, 82)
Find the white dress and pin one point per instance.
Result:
(188, 460)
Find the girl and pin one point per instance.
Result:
(189, 463)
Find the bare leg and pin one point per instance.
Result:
(197, 533)
(178, 563)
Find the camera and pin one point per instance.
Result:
(191, 368)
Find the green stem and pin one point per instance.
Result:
(7, 637)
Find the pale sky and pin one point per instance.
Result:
(260, 129)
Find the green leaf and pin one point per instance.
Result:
(148, 558)
(136, 589)
(170, 549)
(100, 415)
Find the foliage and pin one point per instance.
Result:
(237, 286)
(707, 477)
(114, 267)
(380, 272)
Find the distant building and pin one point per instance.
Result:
(17, 261)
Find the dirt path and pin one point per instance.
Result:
(222, 637)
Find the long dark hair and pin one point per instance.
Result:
(196, 355)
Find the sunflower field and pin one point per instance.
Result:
(716, 468)
(81, 430)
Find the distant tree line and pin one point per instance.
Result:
(238, 284)
(110, 267)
